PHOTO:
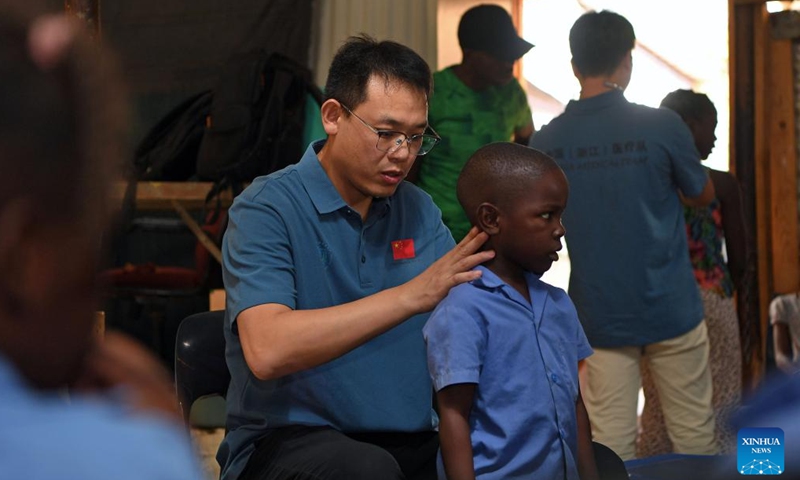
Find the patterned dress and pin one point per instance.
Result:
(705, 236)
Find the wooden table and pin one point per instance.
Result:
(180, 197)
(160, 195)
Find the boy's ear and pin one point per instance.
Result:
(487, 218)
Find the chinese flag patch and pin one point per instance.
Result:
(402, 249)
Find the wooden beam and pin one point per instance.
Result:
(159, 195)
(748, 2)
(198, 232)
(763, 258)
(740, 66)
(747, 64)
(782, 169)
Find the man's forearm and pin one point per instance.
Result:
(278, 341)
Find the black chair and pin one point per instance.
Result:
(200, 368)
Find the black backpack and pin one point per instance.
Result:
(256, 122)
(251, 123)
(169, 150)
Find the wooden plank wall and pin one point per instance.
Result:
(764, 159)
(782, 143)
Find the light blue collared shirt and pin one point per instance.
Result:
(523, 356)
(45, 437)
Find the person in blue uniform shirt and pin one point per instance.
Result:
(503, 350)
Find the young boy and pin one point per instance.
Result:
(503, 350)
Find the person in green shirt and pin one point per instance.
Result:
(475, 103)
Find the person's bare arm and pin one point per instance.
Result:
(704, 198)
(117, 360)
(455, 403)
(523, 135)
(782, 341)
(733, 226)
(587, 466)
(278, 341)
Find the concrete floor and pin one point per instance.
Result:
(206, 442)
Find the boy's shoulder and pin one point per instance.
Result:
(552, 289)
(461, 295)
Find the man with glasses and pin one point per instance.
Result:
(330, 267)
(477, 102)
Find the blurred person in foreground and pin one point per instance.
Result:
(61, 140)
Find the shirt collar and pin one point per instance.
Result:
(489, 279)
(598, 102)
(320, 189)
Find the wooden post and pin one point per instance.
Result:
(782, 170)
(747, 63)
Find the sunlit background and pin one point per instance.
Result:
(680, 44)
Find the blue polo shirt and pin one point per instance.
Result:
(293, 240)
(631, 281)
(523, 356)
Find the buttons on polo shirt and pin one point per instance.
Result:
(363, 258)
(554, 377)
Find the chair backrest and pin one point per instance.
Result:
(200, 367)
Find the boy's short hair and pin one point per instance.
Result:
(361, 57)
(498, 173)
(599, 41)
(688, 104)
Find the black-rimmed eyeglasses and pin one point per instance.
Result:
(390, 141)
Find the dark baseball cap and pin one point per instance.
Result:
(489, 28)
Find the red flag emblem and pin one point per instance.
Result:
(403, 249)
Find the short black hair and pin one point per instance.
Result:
(689, 105)
(497, 173)
(599, 41)
(361, 57)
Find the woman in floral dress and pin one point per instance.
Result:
(717, 249)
